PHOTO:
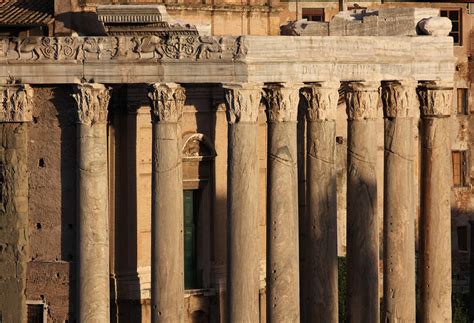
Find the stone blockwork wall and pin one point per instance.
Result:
(52, 202)
(13, 220)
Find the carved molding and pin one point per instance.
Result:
(198, 146)
(436, 99)
(362, 100)
(242, 102)
(282, 102)
(167, 102)
(16, 103)
(399, 99)
(92, 103)
(322, 99)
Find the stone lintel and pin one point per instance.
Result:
(436, 99)
(282, 101)
(167, 102)
(399, 99)
(242, 102)
(92, 102)
(362, 100)
(16, 103)
(322, 99)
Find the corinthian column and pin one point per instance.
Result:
(92, 102)
(167, 250)
(242, 102)
(282, 208)
(319, 284)
(400, 104)
(15, 112)
(435, 217)
(362, 100)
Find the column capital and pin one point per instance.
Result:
(362, 100)
(282, 101)
(167, 102)
(16, 102)
(92, 102)
(242, 102)
(436, 99)
(399, 99)
(322, 98)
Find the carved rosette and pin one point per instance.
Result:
(436, 99)
(243, 101)
(16, 103)
(399, 99)
(322, 100)
(92, 103)
(362, 100)
(282, 102)
(167, 102)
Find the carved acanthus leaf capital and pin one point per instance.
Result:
(167, 102)
(242, 102)
(436, 99)
(362, 100)
(282, 102)
(92, 103)
(322, 100)
(16, 103)
(399, 99)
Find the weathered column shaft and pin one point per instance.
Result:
(435, 217)
(362, 100)
(167, 257)
(243, 244)
(282, 207)
(400, 105)
(15, 111)
(93, 239)
(319, 286)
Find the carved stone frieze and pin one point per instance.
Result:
(436, 99)
(362, 100)
(282, 102)
(242, 102)
(399, 99)
(167, 102)
(322, 100)
(16, 100)
(92, 103)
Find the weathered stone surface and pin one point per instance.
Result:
(282, 205)
(304, 27)
(435, 212)
(435, 26)
(362, 102)
(319, 276)
(242, 206)
(400, 104)
(94, 292)
(15, 103)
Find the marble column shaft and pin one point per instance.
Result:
(435, 208)
(93, 217)
(15, 113)
(243, 255)
(400, 105)
(167, 258)
(362, 101)
(319, 286)
(283, 291)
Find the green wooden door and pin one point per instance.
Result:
(190, 268)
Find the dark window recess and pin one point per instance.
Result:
(35, 313)
(462, 238)
(460, 168)
(455, 15)
(462, 101)
(191, 200)
(313, 14)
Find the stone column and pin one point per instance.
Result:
(435, 209)
(362, 101)
(167, 255)
(400, 104)
(15, 112)
(282, 207)
(243, 244)
(93, 238)
(319, 286)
